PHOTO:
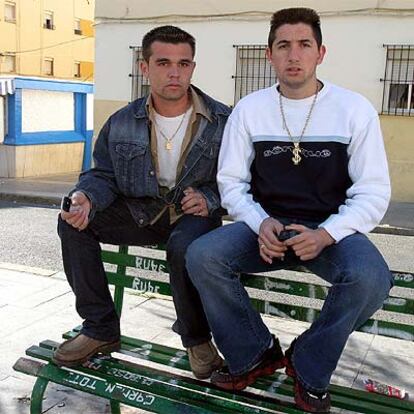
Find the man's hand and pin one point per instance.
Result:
(269, 245)
(194, 202)
(78, 216)
(309, 243)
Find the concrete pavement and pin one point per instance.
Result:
(36, 304)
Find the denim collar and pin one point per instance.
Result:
(212, 107)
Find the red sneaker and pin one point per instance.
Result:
(272, 360)
(305, 399)
(311, 402)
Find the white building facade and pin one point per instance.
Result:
(370, 49)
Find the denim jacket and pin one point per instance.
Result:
(124, 165)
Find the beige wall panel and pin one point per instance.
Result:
(83, 10)
(4, 161)
(132, 9)
(102, 110)
(19, 154)
(399, 142)
(37, 160)
(8, 36)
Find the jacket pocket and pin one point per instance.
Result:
(205, 169)
(130, 165)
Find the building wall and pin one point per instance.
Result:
(32, 43)
(355, 59)
(399, 143)
(349, 62)
(38, 160)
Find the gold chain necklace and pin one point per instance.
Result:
(168, 141)
(296, 147)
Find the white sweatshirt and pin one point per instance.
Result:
(342, 181)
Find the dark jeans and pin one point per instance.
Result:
(84, 270)
(360, 281)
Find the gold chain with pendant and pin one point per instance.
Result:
(168, 141)
(296, 147)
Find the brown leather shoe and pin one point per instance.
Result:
(77, 350)
(204, 359)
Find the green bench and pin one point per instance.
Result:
(161, 391)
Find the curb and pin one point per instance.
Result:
(27, 269)
(40, 199)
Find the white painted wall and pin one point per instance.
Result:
(2, 120)
(47, 111)
(355, 58)
(89, 111)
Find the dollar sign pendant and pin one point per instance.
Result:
(296, 150)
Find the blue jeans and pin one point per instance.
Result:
(84, 270)
(360, 281)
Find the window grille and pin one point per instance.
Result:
(253, 70)
(48, 20)
(48, 66)
(398, 93)
(140, 85)
(77, 70)
(77, 29)
(10, 12)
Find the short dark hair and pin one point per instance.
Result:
(166, 34)
(295, 15)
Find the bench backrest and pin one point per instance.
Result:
(283, 293)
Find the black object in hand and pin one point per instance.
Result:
(66, 203)
(287, 234)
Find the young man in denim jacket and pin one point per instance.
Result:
(154, 181)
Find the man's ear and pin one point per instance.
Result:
(322, 53)
(143, 65)
(269, 54)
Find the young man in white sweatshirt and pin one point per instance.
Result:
(307, 156)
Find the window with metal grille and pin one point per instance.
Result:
(10, 12)
(253, 70)
(48, 66)
(77, 29)
(77, 70)
(140, 85)
(398, 95)
(48, 20)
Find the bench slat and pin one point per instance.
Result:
(302, 313)
(401, 279)
(342, 397)
(177, 387)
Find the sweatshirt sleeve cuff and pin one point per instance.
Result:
(254, 218)
(336, 233)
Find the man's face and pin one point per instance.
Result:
(294, 55)
(169, 70)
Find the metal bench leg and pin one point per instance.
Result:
(36, 401)
(115, 407)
